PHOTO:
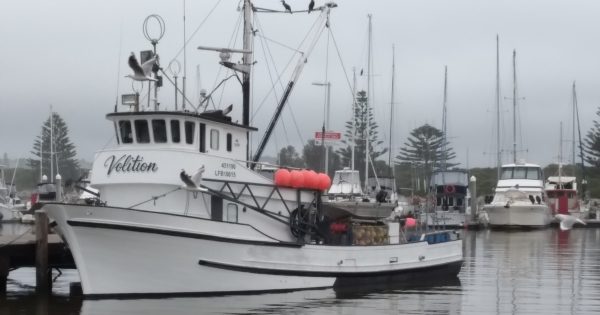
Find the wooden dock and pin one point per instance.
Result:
(40, 250)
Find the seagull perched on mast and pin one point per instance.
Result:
(193, 182)
(311, 6)
(141, 73)
(286, 6)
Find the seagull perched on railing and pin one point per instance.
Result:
(567, 221)
(141, 73)
(193, 182)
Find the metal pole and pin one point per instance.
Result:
(247, 60)
(366, 113)
(327, 126)
(473, 188)
(353, 118)
(51, 144)
(499, 154)
(515, 106)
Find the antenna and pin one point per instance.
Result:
(154, 41)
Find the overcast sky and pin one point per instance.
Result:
(73, 55)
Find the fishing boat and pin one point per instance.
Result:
(182, 211)
(450, 189)
(519, 197)
(10, 203)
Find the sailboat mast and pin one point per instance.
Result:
(515, 106)
(574, 102)
(51, 144)
(353, 117)
(391, 147)
(444, 123)
(498, 152)
(366, 114)
(247, 60)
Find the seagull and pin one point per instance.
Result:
(311, 6)
(567, 221)
(141, 73)
(286, 6)
(192, 182)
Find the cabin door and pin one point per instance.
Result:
(563, 203)
(216, 208)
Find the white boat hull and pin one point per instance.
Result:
(534, 216)
(123, 251)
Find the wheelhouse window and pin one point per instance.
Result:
(202, 137)
(214, 139)
(159, 130)
(125, 130)
(175, 131)
(142, 135)
(189, 132)
(229, 142)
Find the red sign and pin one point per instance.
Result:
(329, 135)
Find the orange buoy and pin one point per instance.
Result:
(410, 222)
(324, 181)
(315, 177)
(310, 179)
(283, 178)
(297, 179)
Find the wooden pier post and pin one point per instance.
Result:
(42, 274)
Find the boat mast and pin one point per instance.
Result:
(247, 60)
(498, 152)
(574, 103)
(444, 122)
(366, 114)
(51, 144)
(391, 146)
(353, 117)
(514, 107)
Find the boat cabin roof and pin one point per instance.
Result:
(216, 117)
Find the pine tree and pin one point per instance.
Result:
(363, 113)
(313, 158)
(425, 150)
(591, 144)
(65, 162)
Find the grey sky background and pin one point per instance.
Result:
(73, 55)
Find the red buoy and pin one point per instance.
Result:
(283, 178)
(324, 181)
(297, 179)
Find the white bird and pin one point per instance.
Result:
(567, 221)
(193, 182)
(141, 73)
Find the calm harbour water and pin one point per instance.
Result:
(505, 272)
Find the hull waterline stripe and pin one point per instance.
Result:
(140, 229)
(302, 273)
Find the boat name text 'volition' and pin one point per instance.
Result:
(127, 163)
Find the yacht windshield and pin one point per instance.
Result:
(521, 172)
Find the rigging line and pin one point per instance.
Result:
(196, 30)
(154, 198)
(119, 63)
(341, 63)
(267, 52)
(278, 78)
(261, 30)
(232, 42)
(278, 43)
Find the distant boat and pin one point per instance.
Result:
(450, 191)
(519, 197)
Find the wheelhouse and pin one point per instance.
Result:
(209, 132)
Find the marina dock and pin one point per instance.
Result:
(34, 248)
